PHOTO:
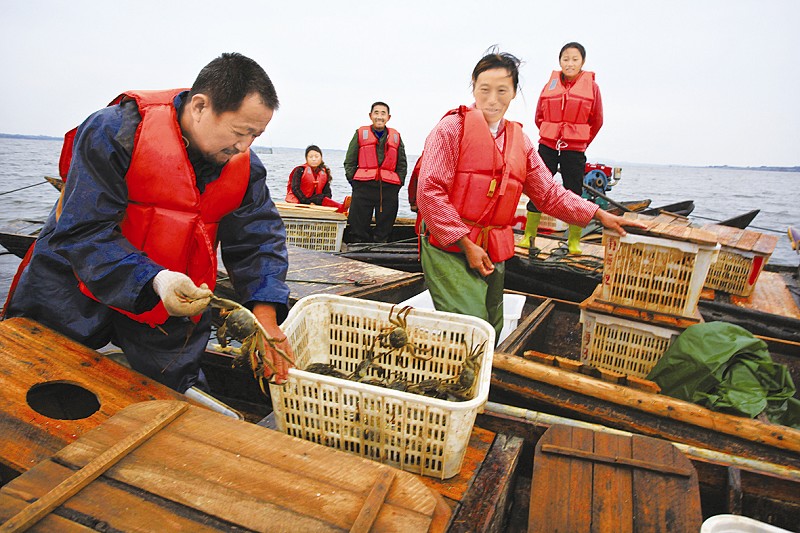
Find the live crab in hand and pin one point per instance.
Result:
(241, 324)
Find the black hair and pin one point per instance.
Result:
(229, 79)
(492, 59)
(578, 46)
(384, 104)
(322, 165)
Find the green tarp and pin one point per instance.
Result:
(724, 367)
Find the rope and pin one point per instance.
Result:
(749, 226)
(22, 188)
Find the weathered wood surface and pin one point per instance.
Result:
(590, 481)
(32, 355)
(290, 210)
(671, 226)
(643, 412)
(206, 472)
(743, 239)
(770, 295)
(312, 272)
(764, 493)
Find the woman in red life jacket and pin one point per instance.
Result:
(311, 183)
(475, 165)
(569, 115)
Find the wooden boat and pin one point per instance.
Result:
(539, 367)
(491, 494)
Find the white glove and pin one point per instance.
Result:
(180, 295)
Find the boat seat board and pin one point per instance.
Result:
(224, 474)
(591, 481)
(770, 295)
(32, 355)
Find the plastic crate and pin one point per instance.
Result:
(621, 345)
(413, 432)
(736, 272)
(315, 233)
(654, 273)
(512, 310)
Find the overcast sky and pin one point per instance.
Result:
(688, 82)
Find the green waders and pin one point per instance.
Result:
(456, 288)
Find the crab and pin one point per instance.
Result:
(242, 325)
(463, 382)
(395, 337)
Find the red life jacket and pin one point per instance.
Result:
(311, 184)
(167, 217)
(566, 110)
(488, 184)
(368, 168)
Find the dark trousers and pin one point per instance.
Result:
(370, 197)
(571, 165)
(169, 354)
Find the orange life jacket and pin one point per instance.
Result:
(368, 168)
(566, 110)
(167, 217)
(488, 184)
(311, 184)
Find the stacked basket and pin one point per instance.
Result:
(649, 293)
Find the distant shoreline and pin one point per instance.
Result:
(267, 149)
(30, 137)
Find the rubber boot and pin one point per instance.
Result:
(531, 227)
(574, 240)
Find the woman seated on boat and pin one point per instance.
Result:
(311, 183)
(569, 114)
(475, 166)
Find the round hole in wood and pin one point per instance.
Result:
(62, 401)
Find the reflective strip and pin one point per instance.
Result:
(365, 134)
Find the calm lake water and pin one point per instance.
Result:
(718, 193)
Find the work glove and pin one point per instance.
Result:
(181, 297)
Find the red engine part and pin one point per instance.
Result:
(605, 169)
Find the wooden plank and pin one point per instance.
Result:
(230, 450)
(374, 501)
(766, 244)
(616, 460)
(561, 488)
(151, 514)
(31, 355)
(69, 487)
(456, 487)
(293, 480)
(734, 491)
(241, 475)
(612, 492)
(748, 240)
(664, 503)
(484, 506)
(727, 236)
(770, 295)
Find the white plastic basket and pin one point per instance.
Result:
(654, 273)
(626, 346)
(512, 310)
(315, 233)
(413, 432)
